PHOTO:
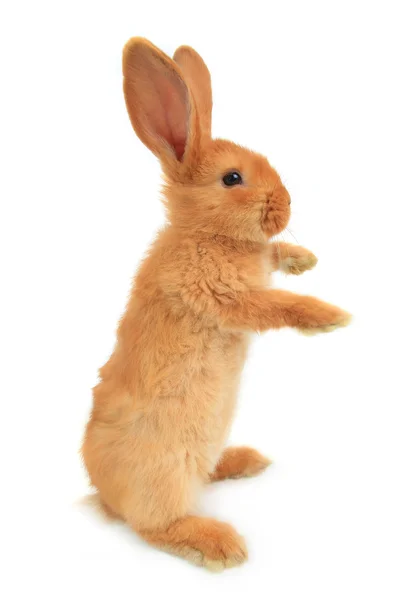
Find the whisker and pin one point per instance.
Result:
(293, 236)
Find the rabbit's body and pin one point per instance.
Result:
(169, 390)
(163, 406)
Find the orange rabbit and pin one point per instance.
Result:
(164, 405)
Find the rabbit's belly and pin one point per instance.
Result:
(221, 378)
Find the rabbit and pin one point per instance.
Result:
(165, 400)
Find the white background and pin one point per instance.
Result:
(314, 86)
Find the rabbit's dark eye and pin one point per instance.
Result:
(232, 178)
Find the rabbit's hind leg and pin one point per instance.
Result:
(159, 505)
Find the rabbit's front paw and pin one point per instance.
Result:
(323, 319)
(299, 260)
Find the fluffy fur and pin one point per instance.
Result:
(165, 401)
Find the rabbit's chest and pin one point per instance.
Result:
(256, 273)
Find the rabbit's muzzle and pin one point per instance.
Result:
(276, 212)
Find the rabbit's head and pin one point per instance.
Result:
(211, 185)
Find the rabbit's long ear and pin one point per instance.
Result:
(198, 78)
(159, 102)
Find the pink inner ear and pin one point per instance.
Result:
(166, 108)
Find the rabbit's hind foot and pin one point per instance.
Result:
(202, 541)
